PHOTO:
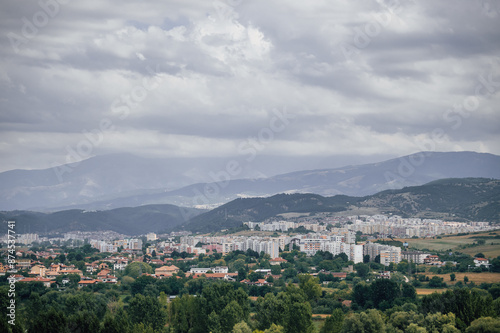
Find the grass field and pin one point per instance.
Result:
(425, 291)
(490, 249)
(477, 278)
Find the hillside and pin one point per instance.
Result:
(129, 220)
(123, 180)
(237, 211)
(474, 199)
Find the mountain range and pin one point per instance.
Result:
(114, 181)
(127, 220)
(462, 199)
(458, 199)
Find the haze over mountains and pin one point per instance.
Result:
(458, 199)
(113, 181)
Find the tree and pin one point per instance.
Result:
(310, 286)
(84, 322)
(147, 310)
(52, 321)
(275, 269)
(384, 290)
(299, 318)
(438, 322)
(362, 269)
(484, 325)
(452, 277)
(333, 324)
(62, 258)
(230, 316)
(361, 293)
(366, 258)
(275, 329)
(370, 321)
(436, 282)
(466, 279)
(137, 268)
(254, 276)
(241, 327)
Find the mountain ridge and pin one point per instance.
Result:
(458, 199)
(144, 181)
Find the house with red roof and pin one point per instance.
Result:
(481, 262)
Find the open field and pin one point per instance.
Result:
(477, 278)
(490, 249)
(425, 291)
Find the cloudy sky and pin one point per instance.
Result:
(236, 77)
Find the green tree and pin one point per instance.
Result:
(214, 325)
(310, 286)
(275, 269)
(186, 315)
(369, 322)
(452, 277)
(241, 327)
(147, 310)
(362, 270)
(84, 322)
(53, 321)
(484, 325)
(230, 316)
(436, 282)
(361, 293)
(384, 290)
(467, 305)
(333, 324)
(275, 329)
(137, 268)
(438, 322)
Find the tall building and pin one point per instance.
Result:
(387, 253)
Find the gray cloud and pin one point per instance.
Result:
(195, 78)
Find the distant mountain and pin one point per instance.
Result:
(474, 199)
(113, 181)
(129, 220)
(359, 180)
(121, 180)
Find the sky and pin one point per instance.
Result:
(191, 78)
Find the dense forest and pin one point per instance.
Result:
(291, 298)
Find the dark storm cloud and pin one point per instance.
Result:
(197, 77)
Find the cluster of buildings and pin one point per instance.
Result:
(126, 244)
(397, 226)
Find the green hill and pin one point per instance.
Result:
(128, 220)
(472, 199)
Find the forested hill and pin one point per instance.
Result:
(474, 199)
(258, 209)
(127, 220)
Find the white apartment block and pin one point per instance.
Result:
(387, 253)
(150, 237)
(27, 238)
(354, 252)
(204, 270)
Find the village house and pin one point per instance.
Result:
(432, 260)
(481, 262)
(277, 261)
(109, 279)
(46, 282)
(38, 270)
(84, 283)
(166, 271)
